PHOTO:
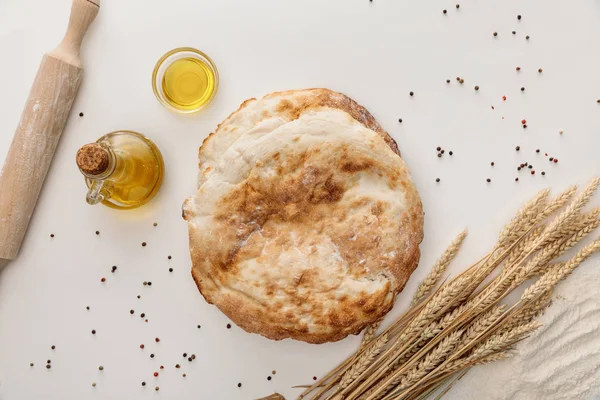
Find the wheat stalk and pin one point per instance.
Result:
(439, 268)
(363, 362)
(462, 324)
(370, 332)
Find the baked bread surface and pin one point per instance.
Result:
(306, 223)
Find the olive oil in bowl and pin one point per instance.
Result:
(185, 80)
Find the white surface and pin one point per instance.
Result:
(374, 52)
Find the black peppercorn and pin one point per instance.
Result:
(412, 93)
(437, 179)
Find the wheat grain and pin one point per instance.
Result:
(439, 268)
(370, 332)
(552, 231)
(363, 362)
(519, 223)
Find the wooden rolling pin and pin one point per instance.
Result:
(42, 122)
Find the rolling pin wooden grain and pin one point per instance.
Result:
(42, 122)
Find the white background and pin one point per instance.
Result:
(374, 52)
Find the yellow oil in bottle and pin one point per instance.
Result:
(188, 83)
(130, 175)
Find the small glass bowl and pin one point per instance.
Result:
(165, 61)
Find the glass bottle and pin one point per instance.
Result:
(123, 169)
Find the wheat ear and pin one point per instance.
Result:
(439, 268)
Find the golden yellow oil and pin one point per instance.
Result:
(138, 170)
(188, 83)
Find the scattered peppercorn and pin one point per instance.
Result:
(93, 384)
(31, 364)
(518, 68)
(443, 151)
(314, 378)
(101, 368)
(537, 150)
(476, 87)
(87, 308)
(48, 366)
(103, 280)
(516, 179)
(458, 78)
(149, 283)
(53, 347)
(142, 315)
(184, 355)
(145, 283)
(551, 158)
(560, 132)
(157, 388)
(131, 312)
(143, 383)
(492, 163)
(527, 37)
(97, 232)
(543, 173)
(190, 359)
(268, 378)
(445, 11)
(495, 33)
(447, 80)
(524, 126)
(169, 257)
(184, 375)
(522, 89)
(93, 331)
(139, 297)
(228, 326)
(518, 148)
(143, 244)
(274, 372)
(177, 366)
(170, 269)
(540, 70)
(461, 81)
(458, 6)
(152, 355)
(412, 93)
(437, 179)
(555, 160)
(142, 346)
(114, 268)
(514, 32)
(157, 340)
(162, 367)
(439, 154)
(519, 17)
(48, 361)
(400, 120)
(193, 356)
(155, 374)
(199, 327)
(450, 152)
(52, 235)
(81, 114)
(519, 168)
(239, 385)
(488, 180)
(532, 172)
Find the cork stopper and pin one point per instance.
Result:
(92, 159)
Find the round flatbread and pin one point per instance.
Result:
(306, 223)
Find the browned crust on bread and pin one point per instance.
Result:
(246, 312)
(320, 97)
